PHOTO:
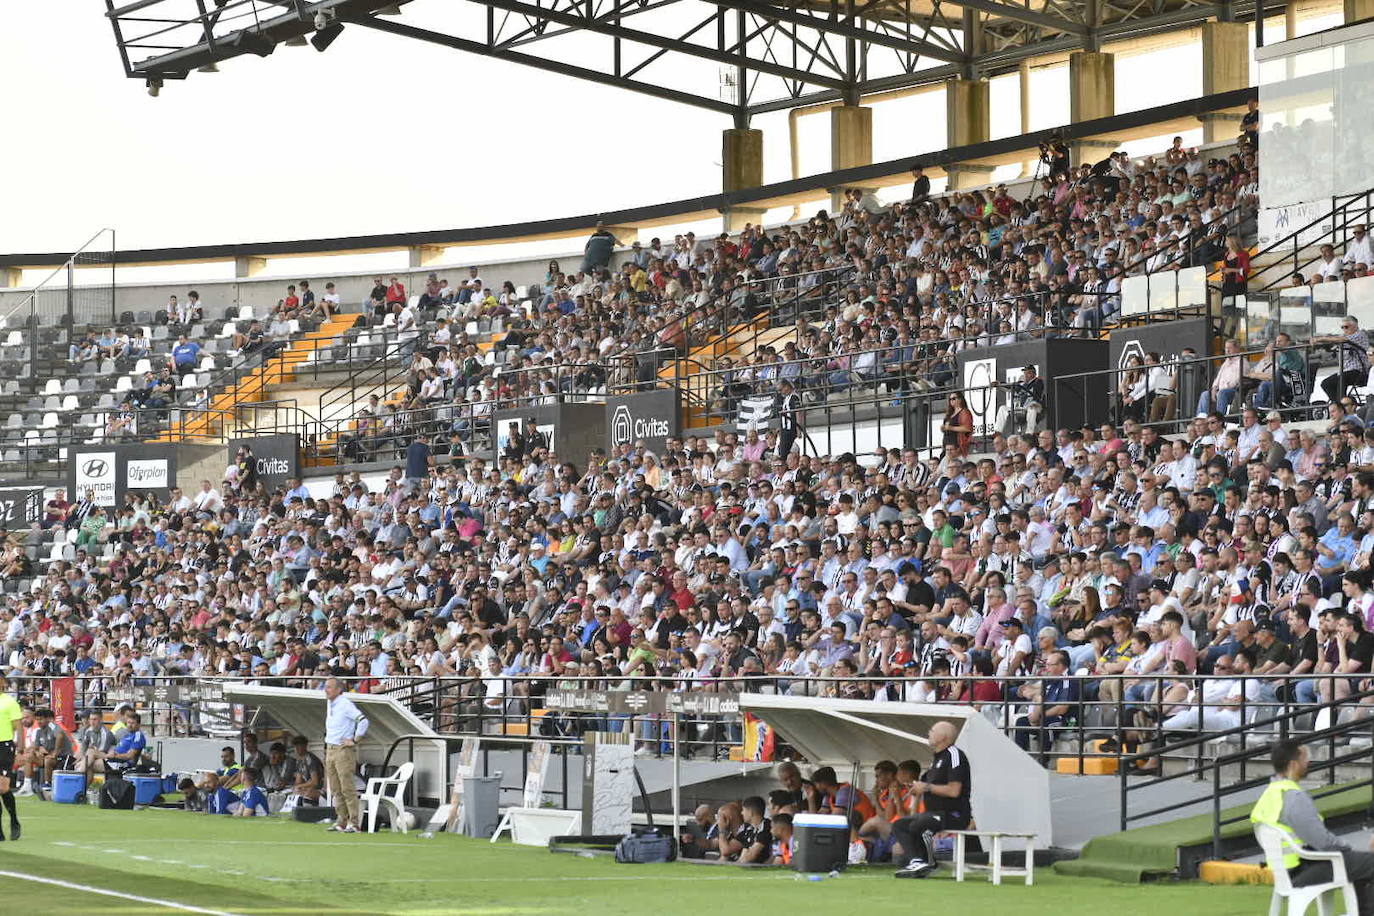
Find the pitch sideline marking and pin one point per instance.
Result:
(69, 885)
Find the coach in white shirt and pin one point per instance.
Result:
(344, 724)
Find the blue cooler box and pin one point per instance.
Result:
(146, 788)
(820, 842)
(68, 787)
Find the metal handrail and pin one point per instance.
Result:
(1292, 240)
(1210, 364)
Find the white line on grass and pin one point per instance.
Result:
(165, 840)
(169, 904)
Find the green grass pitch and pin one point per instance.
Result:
(198, 863)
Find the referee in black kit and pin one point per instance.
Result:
(945, 788)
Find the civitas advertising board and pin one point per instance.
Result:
(650, 418)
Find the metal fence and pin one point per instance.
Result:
(1149, 719)
(58, 303)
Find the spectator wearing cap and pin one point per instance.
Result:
(1352, 352)
(1273, 657)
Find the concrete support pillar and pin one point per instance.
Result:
(1225, 66)
(1358, 10)
(851, 142)
(851, 136)
(1024, 77)
(961, 177)
(1092, 95)
(741, 161)
(1092, 85)
(736, 218)
(11, 277)
(968, 112)
(1290, 20)
(424, 255)
(249, 266)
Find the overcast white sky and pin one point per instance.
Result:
(385, 134)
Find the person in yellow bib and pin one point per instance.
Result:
(11, 742)
(1286, 806)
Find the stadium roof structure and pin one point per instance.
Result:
(736, 57)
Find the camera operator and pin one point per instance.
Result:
(1112, 172)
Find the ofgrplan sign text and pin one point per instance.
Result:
(146, 474)
(650, 418)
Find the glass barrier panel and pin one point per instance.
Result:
(1359, 300)
(1192, 287)
(1261, 319)
(1135, 296)
(1328, 301)
(1295, 311)
(1163, 291)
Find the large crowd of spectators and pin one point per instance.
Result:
(883, 295)
(1110, 553)
(1052, 567)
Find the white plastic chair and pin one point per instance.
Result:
(389, 791)
(54, 386)
(1275, 842)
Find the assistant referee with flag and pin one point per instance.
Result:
(11, 742)
(1286, 806)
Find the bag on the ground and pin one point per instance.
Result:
(642, 848)
(117, 794)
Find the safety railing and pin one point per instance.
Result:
(1276, 263)
(1167, 393)
(1156, 728)
(59, 302)
(40, 447)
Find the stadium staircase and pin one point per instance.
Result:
(1272, 265)
(213, 423)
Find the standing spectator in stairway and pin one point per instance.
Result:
(789, 415)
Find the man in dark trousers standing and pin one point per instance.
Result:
(419, 460)
(788, 410)
(946, 787)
